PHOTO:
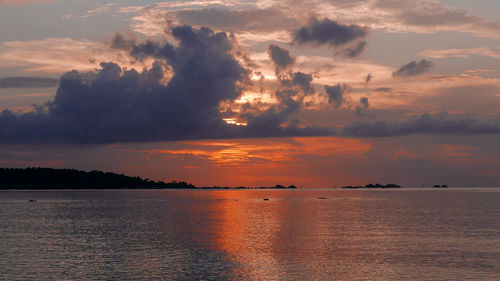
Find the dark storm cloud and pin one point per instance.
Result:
(362, 107)
(328, 32)
(333, 34)
(303, 80)
(120, 105)
(336, 94)
(413, 68)
(120, 42)
(440, 123)
(294, 86)
(283, 62)
(28, 82)
(266, 124)
(280, 57)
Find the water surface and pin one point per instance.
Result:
(413, 234)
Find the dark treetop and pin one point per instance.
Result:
(36, 178)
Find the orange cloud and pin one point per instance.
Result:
(455, 150)
(245, 154)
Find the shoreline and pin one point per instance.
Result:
(251, 189)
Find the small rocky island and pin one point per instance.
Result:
(377, 185)
(278, 186)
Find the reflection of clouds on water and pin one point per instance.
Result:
(113, 238)
(236, 235)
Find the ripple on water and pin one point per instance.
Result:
(236, 235)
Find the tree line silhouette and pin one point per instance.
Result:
(35, 178)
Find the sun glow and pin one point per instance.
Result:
(256, 97)
(234, 121)
(266, 152)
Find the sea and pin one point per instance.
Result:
(303, 234)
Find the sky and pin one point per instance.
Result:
(315, 93)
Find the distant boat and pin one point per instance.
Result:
(440, 186)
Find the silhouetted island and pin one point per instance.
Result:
(278, 186)
(38, 178)
(377, 185)
(49, 178)
(440, 186)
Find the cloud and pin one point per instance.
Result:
(304, 81)
(22, 2)
(461, 53)
(431, 17)
(333, 34)
(294, 87)
(362, 107)
(98, 11)
(114, 104)
(256, 20)
(331, 71)
(401, 16)
(422, 16)
(354, 51)
(280, 57)
(368, 79)
(413, 68)
(473, 98)
(336, 94)
(263, 16)
(246, 152)
(28, 82)
(386, 90)
(248, 21)
(440, 123)
(58, 55)
(292, 90)
(266, 124)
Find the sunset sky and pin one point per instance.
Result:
(315, 93)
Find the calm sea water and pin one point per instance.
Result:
(451, 234)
